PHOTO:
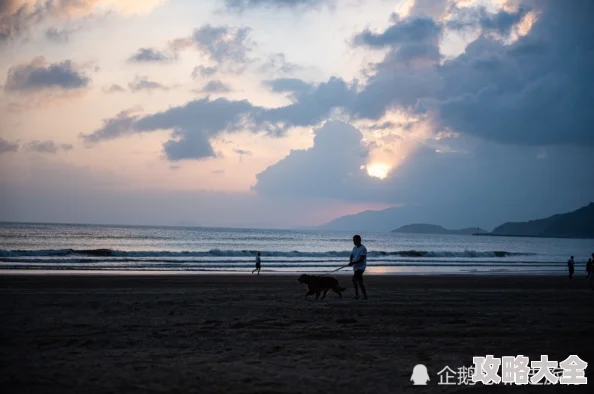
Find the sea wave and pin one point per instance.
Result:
(250, 253)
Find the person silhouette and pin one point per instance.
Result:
(358, 261)
(258, 263)
(420, 376)
(571, 266)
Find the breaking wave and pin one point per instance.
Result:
(249, 253)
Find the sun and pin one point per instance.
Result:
(378, 170)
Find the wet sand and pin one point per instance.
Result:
(256, 334)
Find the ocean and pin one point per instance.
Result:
(84, 248)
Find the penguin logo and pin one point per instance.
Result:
(420, 376)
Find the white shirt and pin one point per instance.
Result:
(358, 252)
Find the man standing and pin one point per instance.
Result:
(358, 261)
(571, 266)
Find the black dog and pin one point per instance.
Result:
(317, 284)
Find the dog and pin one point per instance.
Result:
(317, 284)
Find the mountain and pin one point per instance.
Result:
(575, 224)
(422, 228)
(386, 220)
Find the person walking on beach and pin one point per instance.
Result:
(589, 266)
(258, 263)
(571, 266)
(358, 261)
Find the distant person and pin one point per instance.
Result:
(258, 263)
(358, 261)
(589, 266)
(571, 266)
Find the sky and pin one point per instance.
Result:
(290, 113)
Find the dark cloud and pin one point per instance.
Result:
(120, 125)
(296, 87)
(203, 71)
(452, 181)
(7, 146)
(208, 118)
(142, 83)
(39, 75)
(311, 107)
(500, 22)
(46, 146)
(403, 32)
(216, 86)
(192, 124)
(410, 40)
(224, 44)
(329, 169)
(151, 55)
(532, 91)
(189, 146)
(535, 91)
(241, 5)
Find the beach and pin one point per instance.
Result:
(256, 334)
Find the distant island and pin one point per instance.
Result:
(575, 224)
(422, 228)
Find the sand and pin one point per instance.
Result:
(250, 334)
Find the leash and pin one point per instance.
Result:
(338, 269)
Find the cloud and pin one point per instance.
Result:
(46, 146)
(189, 146)
(216, 86)
(531, 91)
(241, 5)
(142, 83)
(120, 125)
(203, 71)
(18, 16)
(228, 47)
(41, 75)
(331, 168)
(151, 55)
(278, 63)
(7, 146)
(296, 87)
(192, 124)
(208, 118)
(409, 39)
(451, 181)
(501, 22)
(223, 43)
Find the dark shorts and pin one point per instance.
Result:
(358, 275)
